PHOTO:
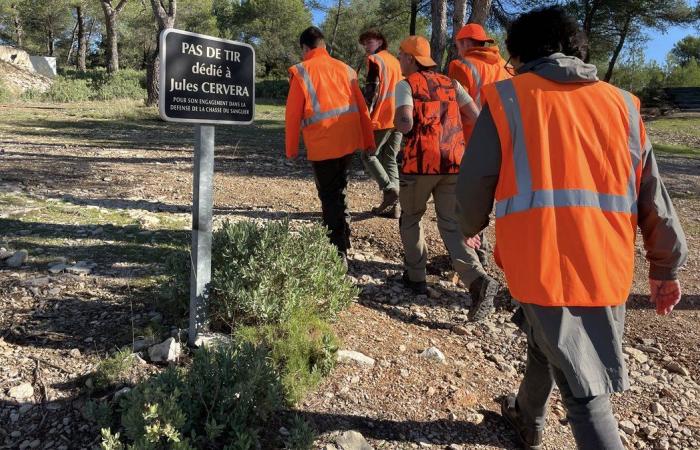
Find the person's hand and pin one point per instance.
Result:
(665, 294)
(473, 242)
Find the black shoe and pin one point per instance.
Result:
(483, 290)
(530, 438)
(418, 287)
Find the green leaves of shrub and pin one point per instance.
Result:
(263, 274)
(224, 397)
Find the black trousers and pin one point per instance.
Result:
(331, 178)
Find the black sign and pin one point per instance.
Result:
(204, 79)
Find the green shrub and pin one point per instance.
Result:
(272, 89)
(112, 370)
(65, 90)
(301, 435)
(5, 94)
(302, 348)
(222, 401)
(263, 274)
(126, 83)
(175, 290)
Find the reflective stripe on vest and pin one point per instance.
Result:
(477, 79)
(528, 199)
(383, 74)
(319, 115)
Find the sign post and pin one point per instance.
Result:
(205, 81)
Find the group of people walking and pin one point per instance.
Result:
(564, 157)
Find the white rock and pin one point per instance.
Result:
(74, 353)
(638, 355)
(628, 427)
(79, 270)
(166, 351)
(211, 339)
(22, 391)
(352, 440)
(19, 258)
(353, 357)
(658, 409)
(433, 354)
(4, 253)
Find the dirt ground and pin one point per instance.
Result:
(114, 189)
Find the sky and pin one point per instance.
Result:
(657, 47)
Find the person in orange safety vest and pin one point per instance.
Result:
(383, 73)
(430, 109)
(478, 65)
(567, 160)
(325, 102)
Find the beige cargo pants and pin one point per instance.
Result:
(414, 193)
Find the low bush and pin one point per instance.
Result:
(64, 90)
(223, 400)
(302, 350)
(5, 94)
(113, 369)
(272, 89)
(126, 83)
(175, 290)
(263, 274)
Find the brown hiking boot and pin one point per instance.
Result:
(389, 198)
(530, 438)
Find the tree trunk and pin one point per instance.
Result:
(82, 40)
(19, 30)
(618, 48)
(72, 43)
(164, 19)
(480, 11)
(50, 45)
(460, 10)
(590, 9)
(111, 14)
(335, 26)
(414, 15)
(438, 35)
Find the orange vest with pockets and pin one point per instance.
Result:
(474, 73)
(331, 115)
(566, 199)
(389, 75)
(435, 145)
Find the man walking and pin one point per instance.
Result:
(479, 64)
(326, 103)
(430, 109)
(568, 162)
(383, 72)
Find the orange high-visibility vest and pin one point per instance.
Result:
(479, 67)
(389, 75)
(331, 124)
(435, 145)
(566, 199)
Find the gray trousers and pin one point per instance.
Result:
(414, 194)
(591, 418)
(382, 166)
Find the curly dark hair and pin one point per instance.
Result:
(373, 34)
(544, 31)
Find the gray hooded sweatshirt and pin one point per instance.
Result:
(588, 352)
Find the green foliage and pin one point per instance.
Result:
(175, 290)
(687, 49)
(302, 348)
(271, 26)
(5, 94)
(224, 398)
(110, 441)
(272, 89)
(687, 75)
(301, 435)
(64, 90)
(127, 83)
(99, 412)
(112, 370)
(263, 274)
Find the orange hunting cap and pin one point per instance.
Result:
(419, 48)
(473, 31)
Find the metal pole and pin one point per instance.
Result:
(203, 204)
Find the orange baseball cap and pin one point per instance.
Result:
(473, 31)
(419, 48)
